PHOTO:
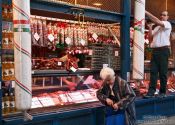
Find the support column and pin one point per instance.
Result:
(138, 45)
(125, 39)
(22, 54)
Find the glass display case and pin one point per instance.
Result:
(64, 90)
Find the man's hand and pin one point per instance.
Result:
(115, 106)
(154, 19)
(109, 102)
(150, 26)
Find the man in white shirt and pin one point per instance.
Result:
(160, 42)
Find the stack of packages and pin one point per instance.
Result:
(8, 97)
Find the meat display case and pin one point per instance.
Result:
(64, 90)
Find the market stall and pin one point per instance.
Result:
(70, 43)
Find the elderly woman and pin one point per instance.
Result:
(116, 93)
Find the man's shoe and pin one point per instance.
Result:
(149, 95)
(162, 95)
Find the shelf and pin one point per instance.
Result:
(61, 72)
(7, 20)
(48, 73)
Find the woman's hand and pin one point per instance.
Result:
(115, 106)
(109, 102)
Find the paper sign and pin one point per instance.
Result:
(59, 63)
(116, 53)
(90, 52)
(36, 36)
(51, 37)
(83, 42)
(73, 69)
(95, 36)
(68, 40)
(13, 84)
(105, 65)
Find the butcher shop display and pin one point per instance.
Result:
(54, 38)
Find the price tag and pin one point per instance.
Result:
(116, 53)
(59, 63)
(83, 42)
(95, 36)
(73, 69)
(146, 41)
(68, 40)
(13, 84)
(51, 37)
(90, 52)
(36, 36)
(105, 65)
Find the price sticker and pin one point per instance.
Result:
(116, 53)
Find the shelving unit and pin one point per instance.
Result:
(1, 62)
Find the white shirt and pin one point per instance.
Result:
(161, 35)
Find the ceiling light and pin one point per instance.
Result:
(97, 4)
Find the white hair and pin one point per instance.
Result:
(107, 73)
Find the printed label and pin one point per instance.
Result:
(11, 71)
(5, 41)
(6, 104)
(12, 104)
(5, 72)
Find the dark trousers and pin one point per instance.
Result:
(159, 67)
